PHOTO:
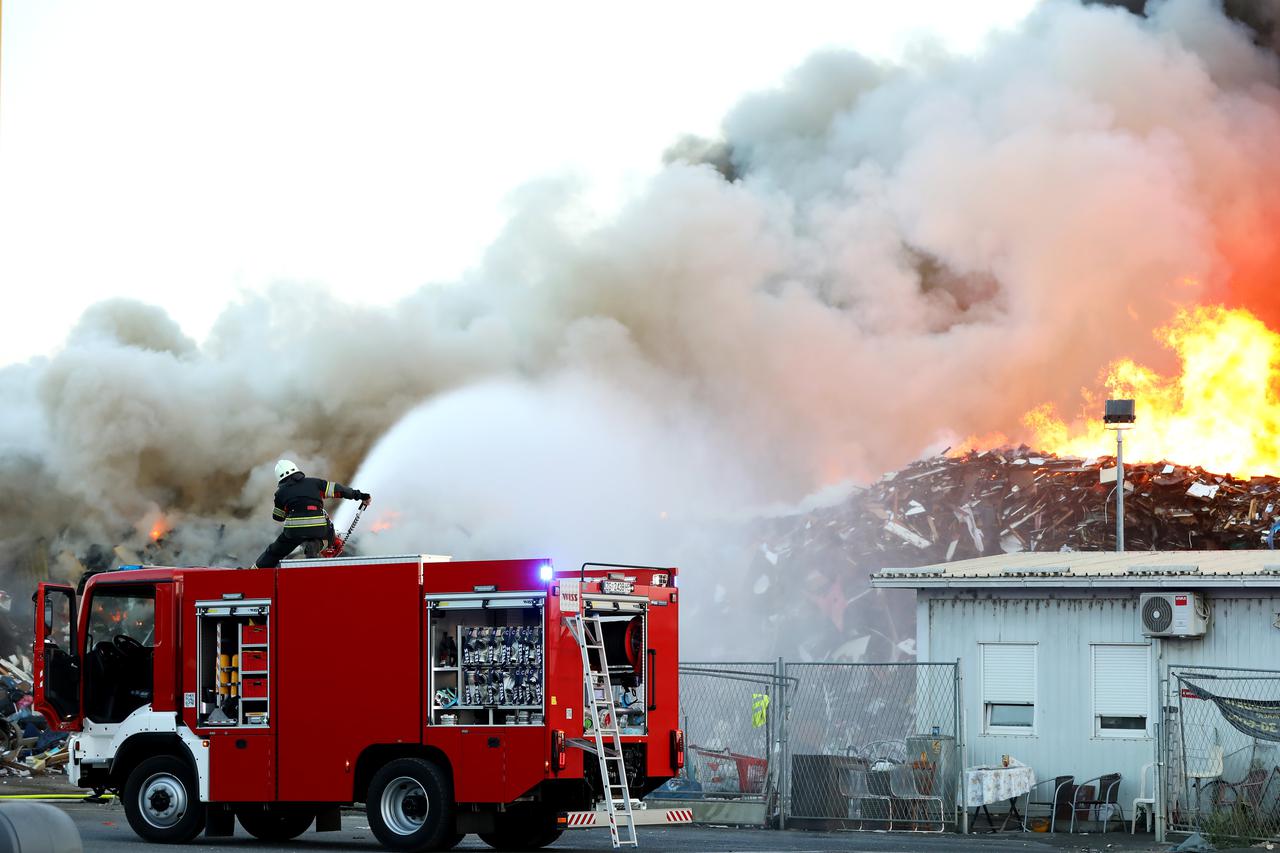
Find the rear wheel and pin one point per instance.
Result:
(275, 821)
(162, 802)
(410, 806)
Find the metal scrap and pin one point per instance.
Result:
(948, 508)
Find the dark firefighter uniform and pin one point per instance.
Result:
(300, 507)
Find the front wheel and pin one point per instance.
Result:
(162, 802)
(275, 821)
(410, 806)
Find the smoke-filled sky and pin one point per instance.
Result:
(867, 260)
(161, 151)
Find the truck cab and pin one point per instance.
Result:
(448, 697)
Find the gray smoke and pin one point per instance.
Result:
(874, 260)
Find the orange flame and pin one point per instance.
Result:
(384, 522)
(159, 529)
(1221, 412)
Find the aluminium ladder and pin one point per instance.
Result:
(589, 634)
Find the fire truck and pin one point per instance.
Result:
(503, 698)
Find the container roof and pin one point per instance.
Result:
(1189, 569)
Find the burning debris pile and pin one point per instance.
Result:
(954, 507)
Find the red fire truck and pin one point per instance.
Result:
(448, 697)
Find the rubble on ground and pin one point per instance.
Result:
(27, 747)
(948, 508)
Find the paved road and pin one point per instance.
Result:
(104, 828)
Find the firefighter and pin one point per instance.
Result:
(300, 507)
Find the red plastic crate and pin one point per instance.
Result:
(254, 660)
(253, 688)
(251, 634)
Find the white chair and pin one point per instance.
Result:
(1146, 799)
(1202, 746)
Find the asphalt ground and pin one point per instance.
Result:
(103, 827)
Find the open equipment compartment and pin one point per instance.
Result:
(624, 623)
(488, 659)
(233, 667)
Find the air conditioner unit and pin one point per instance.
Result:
(1174, 614)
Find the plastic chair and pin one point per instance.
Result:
(904, 784)
(856, 788)
(1108, 788)
(1063, 790)
(1146, 799)
(1202, 747)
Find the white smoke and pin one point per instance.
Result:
(905, 253)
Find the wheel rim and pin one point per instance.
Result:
(404, 805)
(162, 800)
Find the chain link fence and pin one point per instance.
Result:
(873, 746)
(1221, 761)
(732, 715)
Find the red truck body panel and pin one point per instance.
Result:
(348, 640)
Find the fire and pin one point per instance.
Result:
(158, 529)
(1221, 412)
(384, 522)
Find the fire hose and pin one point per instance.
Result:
(340, 542)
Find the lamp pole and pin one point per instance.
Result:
(1119, 490)
(1119, 416)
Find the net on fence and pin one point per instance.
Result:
(1222, 754)
(873, 746)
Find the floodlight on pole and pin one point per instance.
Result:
(1118, 415)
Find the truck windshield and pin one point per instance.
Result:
(132, 614)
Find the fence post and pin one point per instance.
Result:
(1163, 745)
(784, 772)
(958, 698)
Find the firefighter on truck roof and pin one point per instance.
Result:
(300, 506)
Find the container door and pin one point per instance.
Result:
(57, 662)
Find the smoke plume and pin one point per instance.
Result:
(873, 260)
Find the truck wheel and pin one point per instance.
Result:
(275, 821)
(410, 806)
(162, 801)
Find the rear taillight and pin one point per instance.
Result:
(559, 758)
(677, 749)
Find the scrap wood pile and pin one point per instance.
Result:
(981, 503)
(27, 748)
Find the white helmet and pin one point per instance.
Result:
(285, 468)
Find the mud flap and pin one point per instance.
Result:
(219, 821)
(329, 819)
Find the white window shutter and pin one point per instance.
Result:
(1121, 680)
(1009, 673)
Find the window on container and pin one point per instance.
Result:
(1121, 676)
(1008, 682)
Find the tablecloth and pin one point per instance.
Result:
(996, 784)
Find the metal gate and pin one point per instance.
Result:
(1220, 753)
(873, 746)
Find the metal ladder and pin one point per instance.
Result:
(589, 634)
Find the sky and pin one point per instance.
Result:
(159, 151)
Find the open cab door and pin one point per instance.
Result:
(57, 659)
